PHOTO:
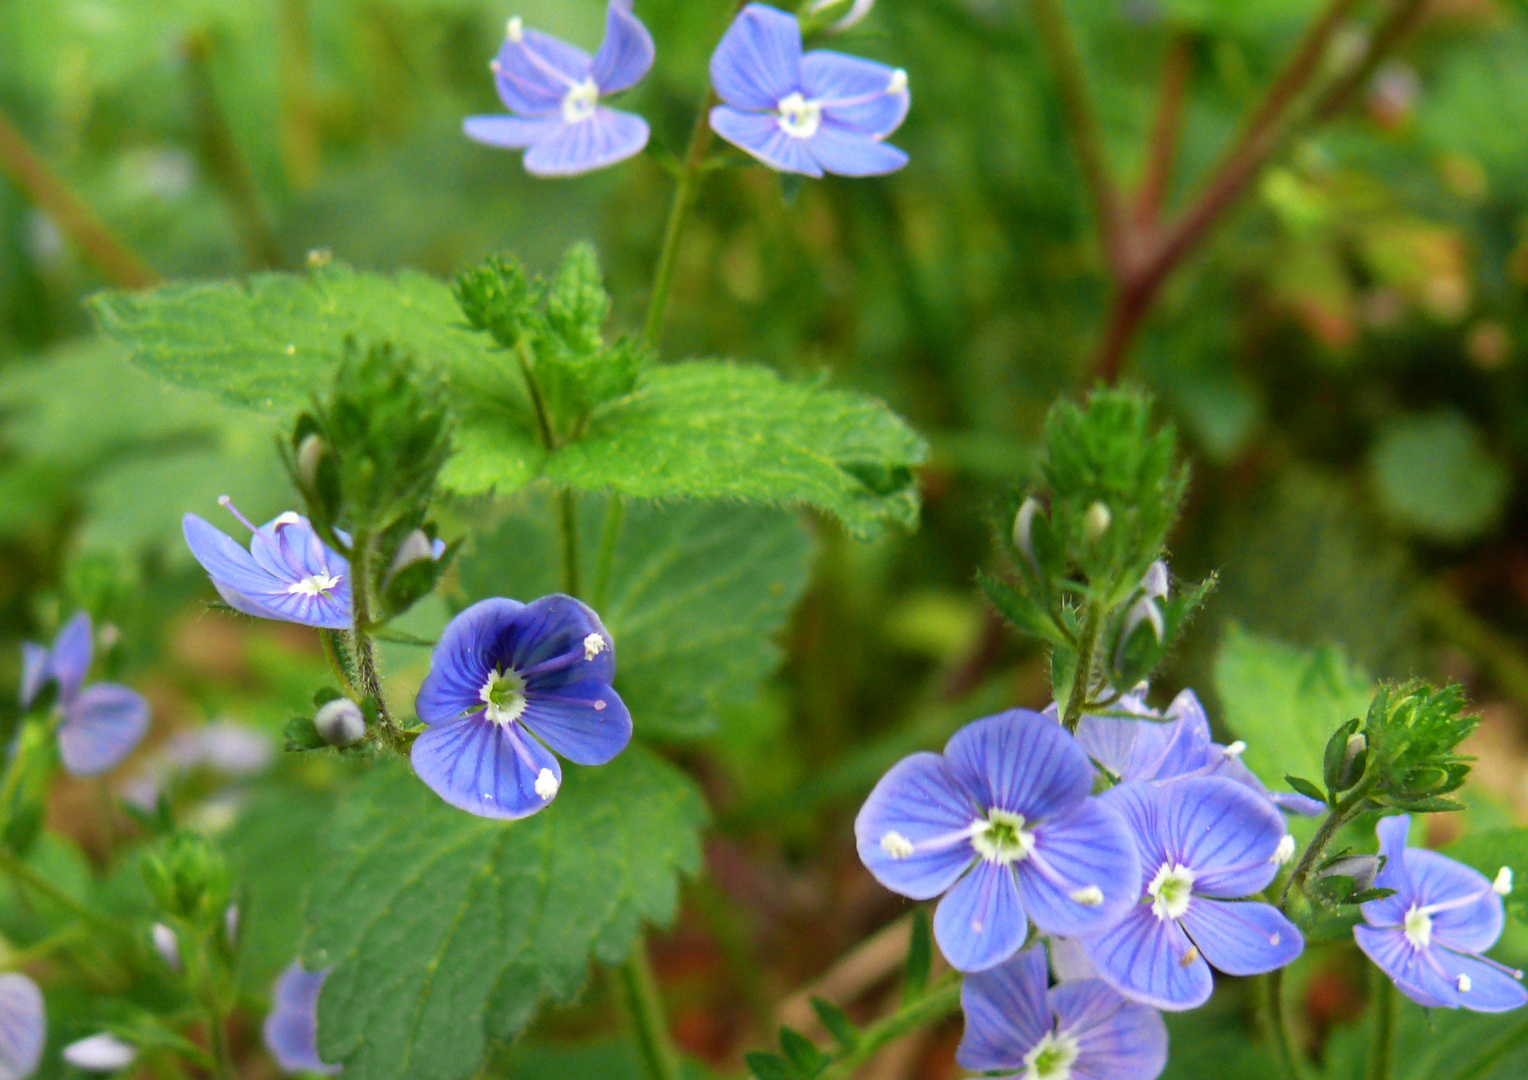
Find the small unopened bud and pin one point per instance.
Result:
(1155, 583)
(309, 453)
(416, 547)
(1023, 526)
(1357, 743)
(1143, 610)
(1096, 522)
(857, 11)
(231, 926)
(101, 1053)
(1503, 883)
(167, 946)
(340, 722)
(1363, 869)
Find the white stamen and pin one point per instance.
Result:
(897, 846)
(313, 585)
(1236, 749)
(1464, 983)
(291, 517)
(1418, 926)
(1171, 890)
(799, 118)
(578, 103)
(1503, 883)
(1284, 852)
(594, 644)
(1274, 939)
(898, 82)
(516, 30)
(1089, 896)
(599, 704)
(546, 784)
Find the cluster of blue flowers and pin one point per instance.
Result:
(807, 113)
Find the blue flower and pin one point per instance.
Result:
(822, 112)
(291, 1027)
(23, 1026)
(101, 723)
(288, 573)
(1429, 935)
(554, 89)
(1015, 1026)
(1002, 824)
(505, 675)
(1204, 841)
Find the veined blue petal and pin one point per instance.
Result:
(1483, 988)
(1021, 762)
(534, 74)
(981, 922)
(1152, 961)
(845, 153)
(916, 802)
(760, 134)
(1116, 1039)
(1143, 808)
(261, 582)
(606, 137)
(462, 660)
(69, 661)
(1242, 937)
(758, 61)
(291, 1027)
(556, 641)
(34, 671)
(1292, 802)
(1395, 874)
(626, 53)
(485, 768)
(1472, 927)
(1225, 833)
(1087, 848)
(586, 722)
(859, 95)
(1407, 967)
(100, 728)
(23, 1026)
(1006, 1013)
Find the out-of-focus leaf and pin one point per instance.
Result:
(1436, 1044)
(1489, 851)
(1434, 474)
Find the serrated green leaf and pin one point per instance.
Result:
(698, 595)
(1434, 475)
(1488, 851)
(447, 931)
(1285, 702)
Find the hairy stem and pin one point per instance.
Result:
(1291, 1062)
(567, 505)
(941, 1000)
(1383, 1035)
(527, 363)
(1344, 811)
(1082, 674)
(610, 534)
(1162, 150)
(646, 1010)
(369, 682)
(685, 190)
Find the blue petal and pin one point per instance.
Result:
(855, 94)
(1143, 808)
(69, 661)
(626, 54)
(603, 139)
(846, 153)
(1177, 746)
(1225, 833)
(1006, 1013)
(758, 61)
(534, 75)
(549, 644)
(1472, 928)
(1020, 762)
(1242, 938)
(1148, 959)
(255, 590)
(1490, 989)
(23, 1026)
(920, 801)
(1116, 1039)
(101, 727)
(34, 671)
(1089, 846)
(1391, 911)
(760, 135)
(587, 722)
(462, 660)
(1292, 802)
(485, 768)
(980, 922)
(510, 132)
(1407, 967)
(1110, 740)
(291, 1027)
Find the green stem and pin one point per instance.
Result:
(1278, 1025)
(685, 190)
(646, 1009)
(528, 371)
(942, 1000)
(1338, 816)
(217, 1035)
(370, 683)
(610, 533)
(1383, 1036)
(567, 503)
(1082, 675)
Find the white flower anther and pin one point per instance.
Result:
(1503, 883)
(546, 784)
(1284, 852)
(594, 644)
(896, 846)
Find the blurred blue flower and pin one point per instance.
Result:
(288, 573)
(503, 676)
(1015, 1026)
(101, 723)
(1204, 841)
(1002, 824)
(1429, 935)
(23, 1026)
(291, 1027)
(553, 89)
(822, 112)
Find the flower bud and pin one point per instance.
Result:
(167, 946)
(1096, 522)
(340, 722)
(1023, 526)
(310, 453)
(1155, 583)
(231, 925)
(416, 547)
(1363, 869)
(856, 11)
(101, 1053)
(1357, 744)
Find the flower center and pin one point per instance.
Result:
(1051, 1058)
(1003, 839)
(1418, 926)
(799, 118)
(314, 585)
(1170, 891)
(578, 102)
(504, 694)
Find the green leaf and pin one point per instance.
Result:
(770, 1066)
(698, 595)
(1436, 1044)
(920, 957)
(447, 931)
(1488, 851)
(1285, 702)
(802, 1052)
(1306, 788)
(837, 1023)
(1434, 474)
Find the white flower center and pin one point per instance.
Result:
(1002, 839)
(578, 102)
(546, 785)
(314, 585)
(799, 118)
(1051, 1058)
(593, 646)
(1170, 891)
(1418, 926)
(504, 694)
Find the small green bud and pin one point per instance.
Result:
(1096, 522)
(341, 723)
(188, 878)
(310, 453)
(1023, 530)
